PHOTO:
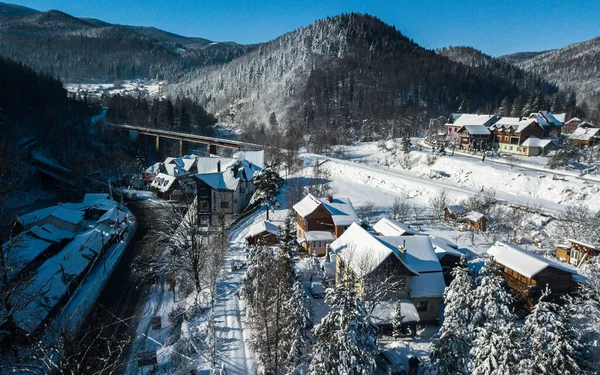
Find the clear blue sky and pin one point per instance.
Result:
(495, 27)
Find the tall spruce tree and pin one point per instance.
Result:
(550, 346)
(267, 182)
(450, 349)
(345, 338)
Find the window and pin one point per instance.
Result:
(224, 204)
(421, 305)
(203, 205)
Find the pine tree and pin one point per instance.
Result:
(267, 182)
(517, 107)
(405, 144)
(450, 349)
(287, 234)
(296, 333)
(345, 338)
(550, 345)
(397, 321)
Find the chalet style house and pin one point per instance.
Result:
(408, 263)
(223, 186)
(570, 126)
(476, 221)
(529, 137)
(263, 232)
(457, 120)
(551, 126)
(585, 135)
(576, 252)
(528, 274)
(319, 221)
(474, 137)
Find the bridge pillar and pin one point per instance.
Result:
(183, 148)
(211, 149)
(157, 144)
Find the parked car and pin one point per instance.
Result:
(317, 290)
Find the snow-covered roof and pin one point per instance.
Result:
(50, 282)
(471, 119)
(319, 235)
(114, 215)
(49, 232)
(364, 252)
(384, 311)
(263, 227)
(534, 141)
(506, 122)
(475, 129)
(22, 250)
(560, 116)
(443, 246)
(391, 227)
(551, 118)
(420, 255)
(64, 214)
(255, 157)
(584, 134)
(213, 164)
(524, 124)
(524, 262)
(574, 119)
(585, 244)
(456, 209)
(220, 181)
(153, 169)
(174, 170)
(163, 182)
(587, 124)
(427, 285)
(474, 216)
(341, 209)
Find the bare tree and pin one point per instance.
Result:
(438, 203)
(400, 209)
(320, 186)
(366, 211)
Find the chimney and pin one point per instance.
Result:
(219, 166)
(329, 198)
(402, 250)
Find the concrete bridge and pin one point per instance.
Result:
(211, 142)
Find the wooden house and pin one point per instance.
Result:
(391, 227)
(263, 233)
(453, 212)
(570, 126)
(476, 221)
(585, 136)
(576, 252)
(409, 263)
(474, 137)
(319, 221)
(510, 132)
(527, 274)
(551, 126)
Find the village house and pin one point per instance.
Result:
(448, 255)
(408, 263)
(551, 126)
(570, 126)
(457, 121)
(534, 146)
(576, 252)
(436, 131)
(454, 212)
(172, 187)
(476, 221)
(511, 132)
(227, 190)
(319, 221)
(263, 232)
(391, 227)
(528, 274)
(585, 135)
(474, 137)
(60, 217)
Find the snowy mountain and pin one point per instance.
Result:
(574, 67)
(88, 50)
(521, 56)
(501, 67)
(352, 71)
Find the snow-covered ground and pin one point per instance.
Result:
(145, 88)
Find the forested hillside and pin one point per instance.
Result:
(346, 76)
(88, 50)
(572, 68)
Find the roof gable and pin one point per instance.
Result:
(524, 262)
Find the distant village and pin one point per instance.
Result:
(535, 135)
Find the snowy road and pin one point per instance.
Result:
(398, 182)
